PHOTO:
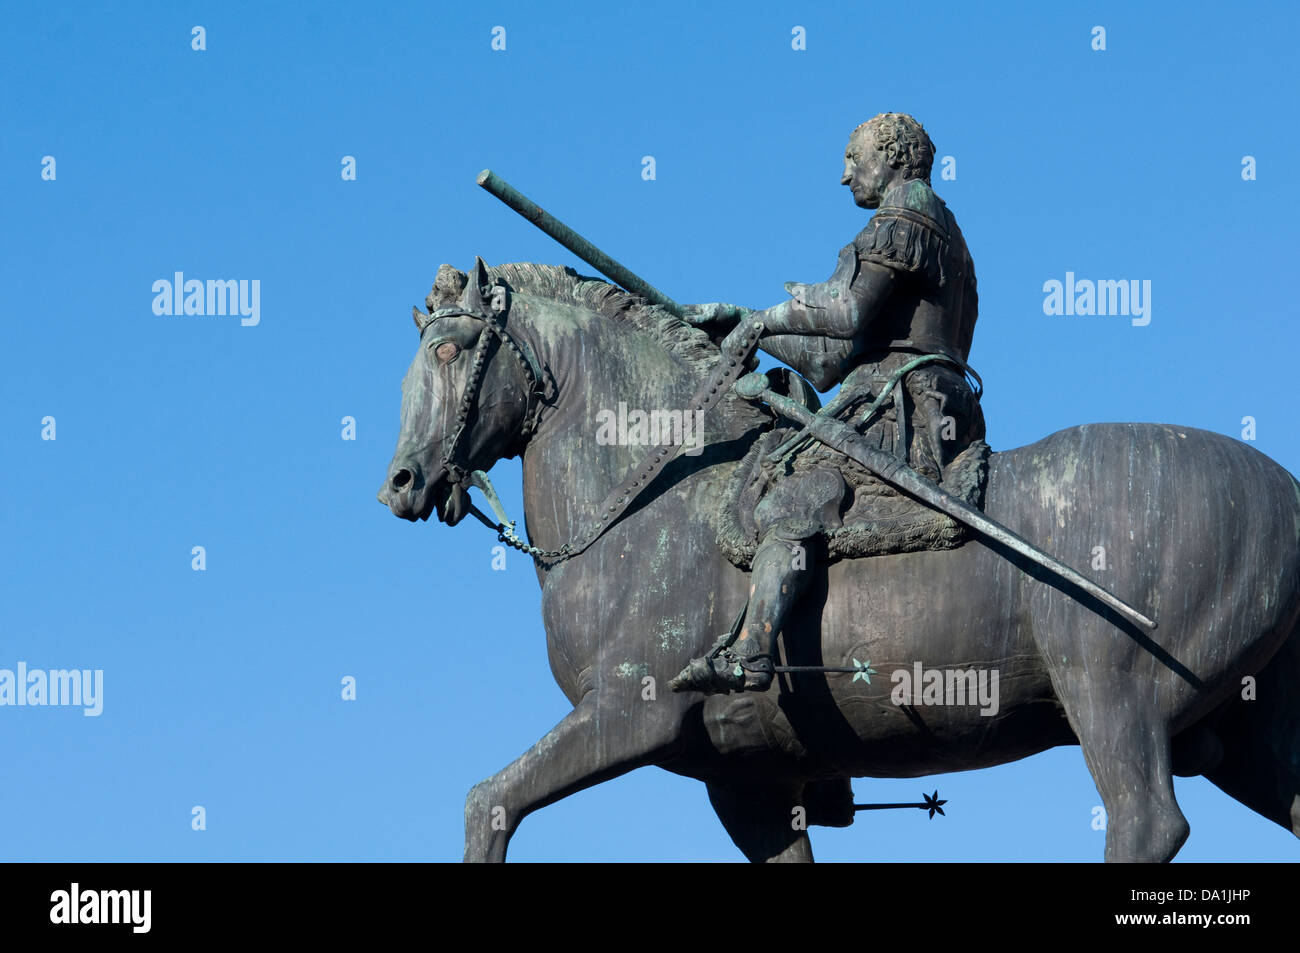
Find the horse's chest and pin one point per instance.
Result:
(576, 617)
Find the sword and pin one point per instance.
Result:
(840, 436)
(834, 433)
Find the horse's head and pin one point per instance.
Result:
(469, 399)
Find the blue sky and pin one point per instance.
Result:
(222, 686)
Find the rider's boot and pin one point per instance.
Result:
(780, 573)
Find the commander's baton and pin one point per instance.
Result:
(574, 242)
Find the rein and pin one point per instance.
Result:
(736, 349)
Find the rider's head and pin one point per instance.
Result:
(884, 151)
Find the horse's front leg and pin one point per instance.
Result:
(606, 735)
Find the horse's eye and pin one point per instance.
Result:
(447, 351)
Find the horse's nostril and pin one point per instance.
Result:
(401, 478)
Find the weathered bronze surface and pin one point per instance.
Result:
(521, 360)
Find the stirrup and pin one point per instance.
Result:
(761, 664)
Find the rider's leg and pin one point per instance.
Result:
(782, 567)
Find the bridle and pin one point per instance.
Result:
(736, 349)
(494, 328)
(455, 468)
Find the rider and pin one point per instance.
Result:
(902, 294)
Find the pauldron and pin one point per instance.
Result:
(907, 241)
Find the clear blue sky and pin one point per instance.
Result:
(222, 688)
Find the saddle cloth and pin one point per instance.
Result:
(856, 512)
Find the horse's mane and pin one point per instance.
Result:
(563, 284)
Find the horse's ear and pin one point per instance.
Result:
(478, 285)
(421, 319)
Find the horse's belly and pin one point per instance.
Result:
(945, 675)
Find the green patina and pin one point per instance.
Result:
(659, 561)
(671, 633)
(1051, 485)
(632, 670)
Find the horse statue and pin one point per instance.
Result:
(1200, 529)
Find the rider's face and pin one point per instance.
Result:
(865, 171)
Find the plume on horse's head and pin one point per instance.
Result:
(448, 286)
(455, 289)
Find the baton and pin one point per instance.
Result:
(575, 243)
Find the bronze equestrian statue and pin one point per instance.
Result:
(921, 545)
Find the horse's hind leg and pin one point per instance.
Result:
(593, 743)
(1127, 748)
(1255, 775)
(1260, 736)
(767, 823)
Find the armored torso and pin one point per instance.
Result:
(933, 309)
(930, 309)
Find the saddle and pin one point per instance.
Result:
(829, 493)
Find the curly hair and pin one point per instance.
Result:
(904, 142)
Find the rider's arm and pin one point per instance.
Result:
(840, 308)
(819, 360)
(816, 331)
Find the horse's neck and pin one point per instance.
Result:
(596, 365)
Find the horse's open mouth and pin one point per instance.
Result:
(449, 500)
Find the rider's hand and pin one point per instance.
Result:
(714, 313)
